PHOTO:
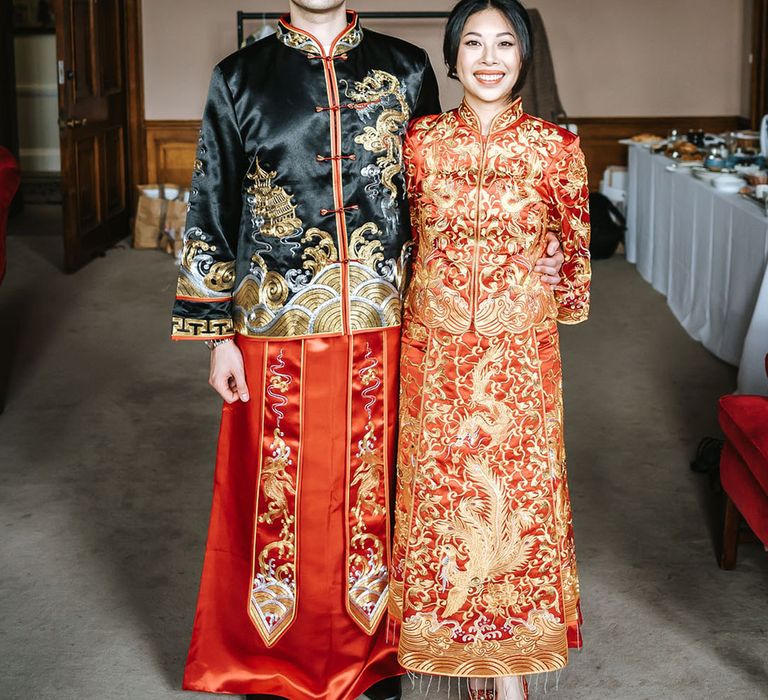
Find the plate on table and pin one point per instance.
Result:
(644, 144)
(703, 173)
(684, 166)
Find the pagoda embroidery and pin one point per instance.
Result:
(272, 210)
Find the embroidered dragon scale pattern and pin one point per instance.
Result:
(484, 574)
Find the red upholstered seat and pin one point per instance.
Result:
(744, 420)
(9, 183)
(744, 468)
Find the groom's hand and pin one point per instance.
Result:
(228, 373)
(549, 267)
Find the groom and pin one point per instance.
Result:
(294, 265)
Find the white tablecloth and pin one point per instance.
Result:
(707, 252)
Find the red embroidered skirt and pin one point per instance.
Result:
(294, 587)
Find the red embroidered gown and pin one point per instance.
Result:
(484, 574)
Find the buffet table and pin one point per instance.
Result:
(707, 253)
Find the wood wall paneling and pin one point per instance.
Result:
(171, 145)
(171, 148)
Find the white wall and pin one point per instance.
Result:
(37, 103)
(612, 57)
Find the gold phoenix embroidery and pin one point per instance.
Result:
(273, 590)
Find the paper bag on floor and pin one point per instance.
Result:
(160, 208)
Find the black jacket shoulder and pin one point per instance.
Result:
(407, 51)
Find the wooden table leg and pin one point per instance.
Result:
(730, 542)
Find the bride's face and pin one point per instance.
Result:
(489, 58)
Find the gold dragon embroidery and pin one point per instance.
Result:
(486, 412)
(386, 137)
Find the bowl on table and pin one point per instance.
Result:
(747, 140)
(727, 183)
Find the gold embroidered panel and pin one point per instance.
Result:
(272, 603)
(484, 572)
(367, 478)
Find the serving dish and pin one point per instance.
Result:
(728, 184)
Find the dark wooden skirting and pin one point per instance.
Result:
(171, 145)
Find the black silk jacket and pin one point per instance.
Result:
(298, 222)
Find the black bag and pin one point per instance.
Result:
(608, 226)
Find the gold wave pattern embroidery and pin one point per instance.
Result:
(263, 305)
(201, 274)
(386, 137)
(368, 578)
(272, 209)
(534, 646)
(273, 590)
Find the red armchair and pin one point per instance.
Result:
(744, 469)
(9, 183)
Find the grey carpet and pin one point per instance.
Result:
(106, 455)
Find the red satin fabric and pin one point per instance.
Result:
(323, 654)
(9, 183)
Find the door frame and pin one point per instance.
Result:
(758, 103)
(136, 162)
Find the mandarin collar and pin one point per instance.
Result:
(296, 38)
(501, 121)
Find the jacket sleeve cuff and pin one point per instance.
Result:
(572, 316)
(202, 328)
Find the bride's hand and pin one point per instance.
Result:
(549, 266)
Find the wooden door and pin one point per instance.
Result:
(92, 120)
